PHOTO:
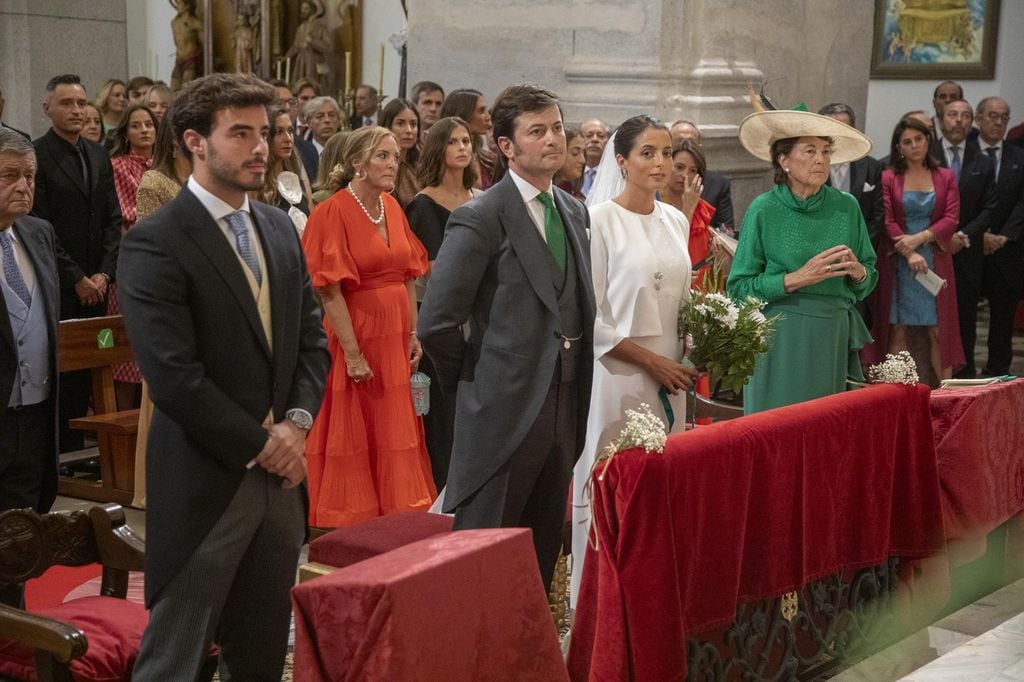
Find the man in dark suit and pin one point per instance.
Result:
(1004, 252)
(4, 126)
(28, 337)
(516, 263)
(75, 193)
(979, 213)
(861, 178)
(228, 334)
(717, 188)
(365, 104)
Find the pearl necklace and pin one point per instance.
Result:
(380, 206)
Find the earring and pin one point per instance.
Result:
(624, 175)
(359, 174)
(785, 170)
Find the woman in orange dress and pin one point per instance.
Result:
(365, 452)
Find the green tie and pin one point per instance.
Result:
(554, 231)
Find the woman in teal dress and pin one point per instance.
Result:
(804, 250)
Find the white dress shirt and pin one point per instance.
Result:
(219, 209)
(21, 258)
(533, 205)
(840, 176)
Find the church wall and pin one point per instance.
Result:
(39, 40)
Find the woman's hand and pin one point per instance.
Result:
(908, 243)
(673, 376)
(917, 263)
(839, 261)
(415, 353)
(358, 368)
(691, 195)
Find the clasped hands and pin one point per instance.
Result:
(91, 290)
(838, 261)
(284, 453)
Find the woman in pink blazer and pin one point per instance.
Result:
(922, 210)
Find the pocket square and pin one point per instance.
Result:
(868, 187)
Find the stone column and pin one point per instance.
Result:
(675, 59)
(39, 40)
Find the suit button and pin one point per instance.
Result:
(21, 342)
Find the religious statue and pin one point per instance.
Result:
(312, 44)
(245, 41)
(187, 32)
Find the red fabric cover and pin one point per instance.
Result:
(345, 546)
(979, 446)
(57, 583)
(467, 605)
(748, 509)
(113, 627)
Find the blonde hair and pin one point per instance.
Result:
(330, 160)
(104, 95)
(359, 146)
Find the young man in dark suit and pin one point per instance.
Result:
(228, 334)
(979, 213)
(516, 263)
(1002, 246)
(75, 193)
(28, 338)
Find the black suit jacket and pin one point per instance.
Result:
(718, 193)
(492, 270)
(37, 238)
(979, 210)
(310, 158)
(1010, 198)
(213, 378)
(87, 220)
(866, 188)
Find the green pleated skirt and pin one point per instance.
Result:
(814, 349)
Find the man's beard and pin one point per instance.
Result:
(232, 177)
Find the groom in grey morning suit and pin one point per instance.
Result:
(515, 263)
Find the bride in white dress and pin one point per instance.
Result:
(641, 271)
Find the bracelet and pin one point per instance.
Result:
(864, 277)
(356, 360)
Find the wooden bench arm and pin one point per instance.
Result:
(63, 641)
(121, 550)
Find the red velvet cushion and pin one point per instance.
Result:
(346, 546)
(113, 627)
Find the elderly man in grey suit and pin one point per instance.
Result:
(228, 333)
(515, 264)
(29, 308)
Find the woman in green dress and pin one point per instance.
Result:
(804, 249)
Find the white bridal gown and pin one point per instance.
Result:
(641, 271)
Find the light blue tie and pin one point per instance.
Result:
(14, 279)
(954, 164)
(236, 221)
(588, 180)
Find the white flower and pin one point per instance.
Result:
(895, 369)
(758, 317)
(729, 318)
(643, 430)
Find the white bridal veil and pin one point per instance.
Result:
(608, 183)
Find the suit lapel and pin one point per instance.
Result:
(204, 231)
(41, 254)
(526, 242)
(6, 335)
(858, 175)
(272, 255)
(68, 163)
(576, 234)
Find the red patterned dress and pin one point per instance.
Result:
(128, 170)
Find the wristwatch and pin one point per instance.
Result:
(299, 417)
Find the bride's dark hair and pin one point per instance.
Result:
(626, 134)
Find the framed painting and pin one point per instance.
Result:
(928, 39)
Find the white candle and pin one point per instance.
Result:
(348, 71)
(380, 81)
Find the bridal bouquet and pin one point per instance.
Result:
(723, 336)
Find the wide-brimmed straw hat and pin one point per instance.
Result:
(760, 130)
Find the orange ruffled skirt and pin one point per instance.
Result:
(366, 451)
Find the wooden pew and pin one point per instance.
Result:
(97, 344)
